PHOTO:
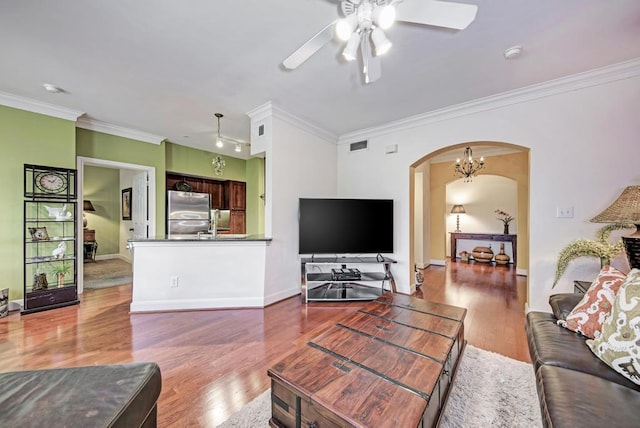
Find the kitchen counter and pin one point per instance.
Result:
(184, 272)
(205, 238)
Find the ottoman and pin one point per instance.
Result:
(93, 396)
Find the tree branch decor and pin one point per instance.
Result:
(600, 248)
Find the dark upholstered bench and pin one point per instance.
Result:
(94, 396)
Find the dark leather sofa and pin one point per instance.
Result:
(575, 388)
(95, 396)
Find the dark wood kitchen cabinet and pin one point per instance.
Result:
(238, 221)
(236, 195)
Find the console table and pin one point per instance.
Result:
(499, 237)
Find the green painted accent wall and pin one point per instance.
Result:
(25, 138)
(98, 145)
(102, 187)
(188, 160)
(255, 188)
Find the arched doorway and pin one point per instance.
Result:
(429, 210)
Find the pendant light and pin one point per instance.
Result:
(219, 143)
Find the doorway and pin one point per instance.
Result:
(141, 180)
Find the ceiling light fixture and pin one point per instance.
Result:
(468, 167)
(351, 50)
(219, 143)
(238, 147)
(380, 41)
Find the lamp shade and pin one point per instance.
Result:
(626, 209)
(458, 209)
(87, 206)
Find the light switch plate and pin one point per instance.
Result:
(564, 212)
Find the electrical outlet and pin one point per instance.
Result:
(564, 212)
(173, 282)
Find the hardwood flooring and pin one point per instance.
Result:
(214, 362)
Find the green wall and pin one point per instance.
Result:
(32, 138)
(102, 187)
(98, 145)
(255, 188)
(198, 162)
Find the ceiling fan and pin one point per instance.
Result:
(363, 24)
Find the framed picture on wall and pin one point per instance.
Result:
(126, 203)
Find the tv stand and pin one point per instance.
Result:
(319, 285)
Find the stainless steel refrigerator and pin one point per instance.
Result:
(188, 213)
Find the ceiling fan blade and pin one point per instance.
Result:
(312, 45)
(437, 13)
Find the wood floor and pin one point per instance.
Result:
(214, 362)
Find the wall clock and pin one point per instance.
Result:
(51, 182)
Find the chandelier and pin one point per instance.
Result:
(468, 167)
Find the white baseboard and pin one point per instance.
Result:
(438, 262)
(522, 272)
(16, 305)
(114, 256)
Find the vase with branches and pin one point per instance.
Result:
(600, 248)
(505, 218)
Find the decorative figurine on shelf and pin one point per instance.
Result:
(59, 213)
(464, 256)
(419, 276)
(58, 252)
(39, 281)
(504, 218)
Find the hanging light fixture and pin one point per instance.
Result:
(468, 167)
(219, 143)
(238, 147)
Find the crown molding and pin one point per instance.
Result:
(40, 107)
(599, 76)
(270, 109)
(120, 131)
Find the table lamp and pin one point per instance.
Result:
(626, 209)
(457, 209)
(86, 206)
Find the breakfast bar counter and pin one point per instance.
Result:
(188, 272)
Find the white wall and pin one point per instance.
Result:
(583, 133)
(299, 163)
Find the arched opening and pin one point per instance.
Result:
(430, 203)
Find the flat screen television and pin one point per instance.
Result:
(345, 226)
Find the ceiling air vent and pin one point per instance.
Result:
(360, 145)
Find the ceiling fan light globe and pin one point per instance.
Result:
(346, 26)
(219, 143)
(380, 42)
(351, 50)
(238, 148)
(385, 16)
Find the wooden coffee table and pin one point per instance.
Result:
(391, 364)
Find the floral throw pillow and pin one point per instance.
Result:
(617, 346)
(589, 314)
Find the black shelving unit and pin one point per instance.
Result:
(50, 238)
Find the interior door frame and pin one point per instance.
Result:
(81, 162)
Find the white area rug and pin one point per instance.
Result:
(490, 390)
